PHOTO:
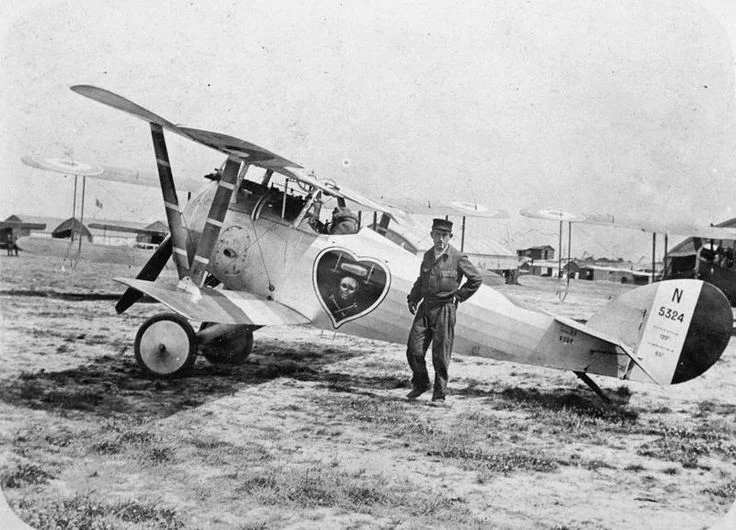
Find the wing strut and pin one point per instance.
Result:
(560, 294)
(171, 202)
(216, 215)
(654, 250)
(383, 224)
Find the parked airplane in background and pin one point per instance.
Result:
(711, 262)
(76, 243)
(72, 240)
(708, 259)
(248, 255)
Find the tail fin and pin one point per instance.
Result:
(673, 330)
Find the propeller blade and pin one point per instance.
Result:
(150, 272)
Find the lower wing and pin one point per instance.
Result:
(218, 305)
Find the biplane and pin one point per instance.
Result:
(708, 254)
(249, 254)
(113, 242)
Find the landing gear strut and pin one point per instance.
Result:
(165, 346)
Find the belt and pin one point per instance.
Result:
(436, 303)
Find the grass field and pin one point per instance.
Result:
(314, 431)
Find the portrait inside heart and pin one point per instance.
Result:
(349, 286)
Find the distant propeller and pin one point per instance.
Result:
(150, 271)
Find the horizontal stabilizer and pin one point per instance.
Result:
(620, 346)
(215, 305)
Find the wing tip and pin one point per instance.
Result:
(85, 90)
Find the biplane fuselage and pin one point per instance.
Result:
(266, 255)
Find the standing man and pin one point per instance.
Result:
(438, 288)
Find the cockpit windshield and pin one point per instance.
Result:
(294, 203)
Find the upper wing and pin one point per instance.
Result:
(445, 207)
(101, 172)
(234, 147)
(229, 145)
(684, 229)
(553, 214)
(260, 157)
(216, 305)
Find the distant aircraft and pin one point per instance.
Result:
(248, 256)
(68, 246)
(707, 259)
(713, 263)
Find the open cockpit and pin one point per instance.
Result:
(291, 202)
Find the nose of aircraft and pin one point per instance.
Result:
(710, 330)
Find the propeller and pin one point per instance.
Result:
(150, 272)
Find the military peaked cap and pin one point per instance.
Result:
(442, 224)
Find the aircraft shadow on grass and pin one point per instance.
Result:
(578, 401)
(111, 386)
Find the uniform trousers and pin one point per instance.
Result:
(435, 324)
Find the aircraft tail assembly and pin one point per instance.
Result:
(670, 331)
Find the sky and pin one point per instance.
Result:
(624, 107)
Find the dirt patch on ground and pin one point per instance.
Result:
(314, 431)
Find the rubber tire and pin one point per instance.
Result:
(228, 353)
(191, 346)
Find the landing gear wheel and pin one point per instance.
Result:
(232, 348)
(165, 346)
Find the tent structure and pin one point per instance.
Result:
(69, 228)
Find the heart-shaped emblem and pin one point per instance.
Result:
(349, 286)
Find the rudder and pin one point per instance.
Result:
(675, 329)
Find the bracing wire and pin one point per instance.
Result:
(271, 286)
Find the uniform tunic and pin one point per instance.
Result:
(438, 288)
